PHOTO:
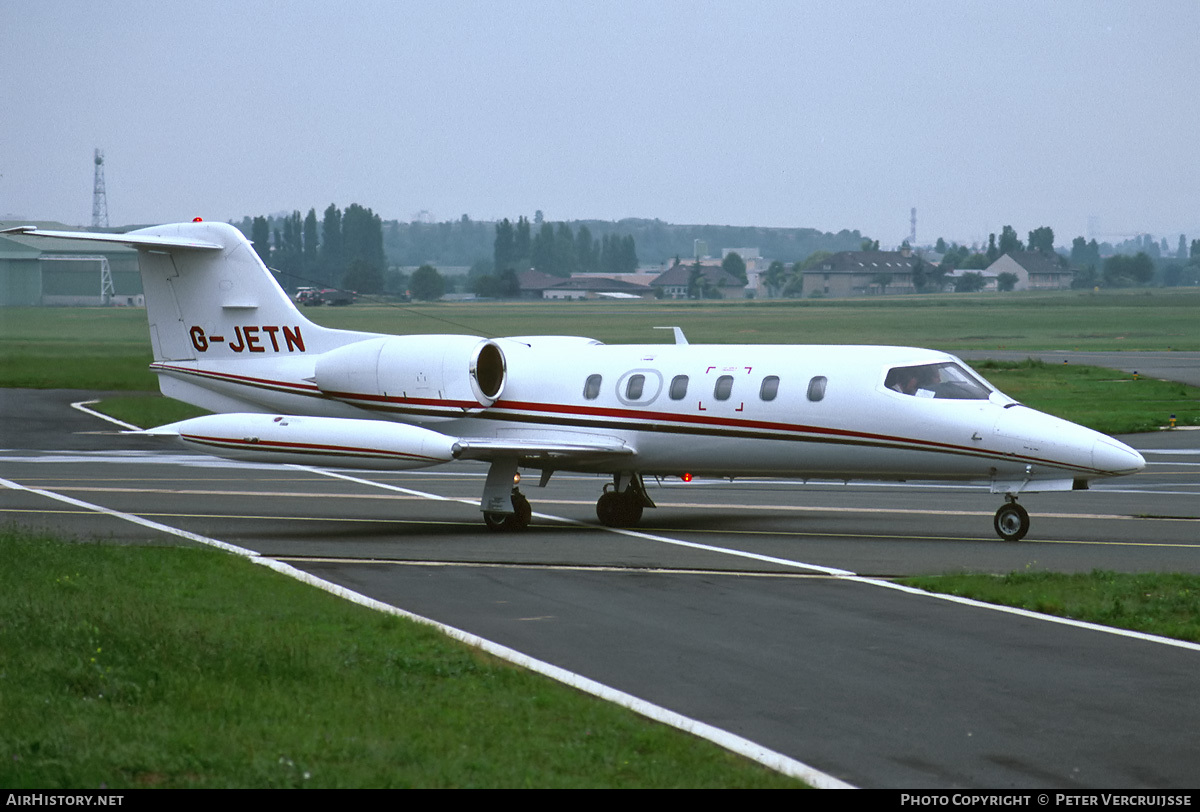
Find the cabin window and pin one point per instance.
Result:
(634, 387)
(679, 387)
(816, 388)
(591, 388)
(723, 387)
(948, 381)
(769, 388)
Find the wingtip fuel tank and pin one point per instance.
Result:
(324, 441)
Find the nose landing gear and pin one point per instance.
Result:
(1012, 520)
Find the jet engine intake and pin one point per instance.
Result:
(465, 372)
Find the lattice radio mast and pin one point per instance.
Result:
(912, 230)
(99, 198)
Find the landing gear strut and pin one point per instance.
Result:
(510, 522)
(1012, 520)
(622, 502)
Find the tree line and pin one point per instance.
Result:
(558, 251)
(353, 249)
(343, 250)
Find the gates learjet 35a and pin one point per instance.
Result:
(228, 339)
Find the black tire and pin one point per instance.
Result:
(619, 509)
(608, 509)
(522, 513)
(510, 522)
(1011, 522)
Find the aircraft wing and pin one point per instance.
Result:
(133, 240)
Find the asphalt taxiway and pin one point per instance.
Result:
(758, 607)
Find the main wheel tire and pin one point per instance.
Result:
(522, 513)
(618, 509)
(608, 509)
(1011, 522)
(510, 522)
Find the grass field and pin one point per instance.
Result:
(1101, 399)
(1164, 604)
(108, 348)
(170, 667)
(1058, 320)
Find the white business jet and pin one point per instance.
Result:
(228, 339)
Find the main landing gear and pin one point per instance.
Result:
(504, 507)
(1012, 520)
(622, 505)
(510, 522)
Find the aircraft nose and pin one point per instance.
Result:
(1115, 458)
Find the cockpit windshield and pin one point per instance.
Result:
(946, 380)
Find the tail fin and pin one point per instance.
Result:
(209, 297)
(220, 303)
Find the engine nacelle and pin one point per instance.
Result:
(464, 372)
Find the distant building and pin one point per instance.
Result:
(862, 273)
(1034, 270)
(597, 287)
(37, 271)
(990, 283)
(534, 283)
(674, 282)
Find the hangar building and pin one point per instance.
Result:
(41, 272)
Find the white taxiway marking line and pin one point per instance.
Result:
(83, 407)
(619, 531)
(833, 571)
(751, 750)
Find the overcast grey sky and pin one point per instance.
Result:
(822, 114)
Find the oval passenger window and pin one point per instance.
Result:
(769, 388)
(633, 389)
(816, 388)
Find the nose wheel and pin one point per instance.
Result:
(1012, 521)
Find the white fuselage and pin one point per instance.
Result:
(720, 421)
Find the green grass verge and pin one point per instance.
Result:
(1162, 604)
(1053, 320)
(75, 348)
(108, 348)
(148, 410)
(1101, 399)
(126, 666)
